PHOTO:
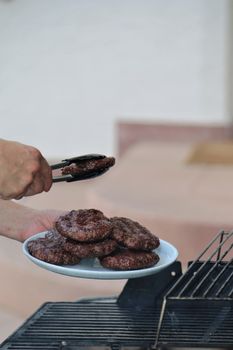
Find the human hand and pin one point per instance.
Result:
(24, 171)
(37, 221)
(19, 222)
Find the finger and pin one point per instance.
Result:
(36, 187)
(46, 173)
(17, 189)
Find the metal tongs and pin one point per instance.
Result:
(78, 160)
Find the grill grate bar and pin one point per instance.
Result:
(33, 347)
(85, 323)
(104, 318)
(185, 336)
(92, 329)
(231, 293)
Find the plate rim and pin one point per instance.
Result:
(105, 274)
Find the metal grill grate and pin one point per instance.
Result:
(93, 325)
(201, 298)
(198, 324)
(86, 324)
(212, 278)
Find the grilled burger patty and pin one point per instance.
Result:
(131, 234)
(129, 260)
(49, 249)
(88, 166)
(90, 250)
(84, 225)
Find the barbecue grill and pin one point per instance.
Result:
(167, 310)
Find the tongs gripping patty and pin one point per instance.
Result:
(82, 167)
(66, 162)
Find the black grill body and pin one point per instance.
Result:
(103, 323)
(166, 311)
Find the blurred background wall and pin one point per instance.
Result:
(70, 68)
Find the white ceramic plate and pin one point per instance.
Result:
(91, 268)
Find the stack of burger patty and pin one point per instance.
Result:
(119, 243)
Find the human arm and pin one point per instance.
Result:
(19, 222)
(23, 171)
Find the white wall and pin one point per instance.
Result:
(70, 68)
